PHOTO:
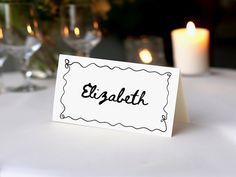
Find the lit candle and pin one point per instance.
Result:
(29, 29)
(1, 33)
(191, 49)
(65, 31)
(145, 56)
(77, 31)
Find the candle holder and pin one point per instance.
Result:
(145, 50)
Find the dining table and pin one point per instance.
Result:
(32, 145)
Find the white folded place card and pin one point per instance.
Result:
(118, 95)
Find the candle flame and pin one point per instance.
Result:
(191, 28)
(145, 56)
(29, 29)
(1, 33)
(77, 31)
(65, 31)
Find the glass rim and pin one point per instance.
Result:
(83, 4)
(15, 2)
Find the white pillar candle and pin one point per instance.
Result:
(191, 49)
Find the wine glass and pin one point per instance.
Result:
(3, 58)
(80, 28)
(21, 38)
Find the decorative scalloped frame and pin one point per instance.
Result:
(163, 119)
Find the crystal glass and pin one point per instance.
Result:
(3, 58)
(146, 50)
(20, 38)
(79, 27)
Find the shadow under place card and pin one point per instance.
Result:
(117, 95)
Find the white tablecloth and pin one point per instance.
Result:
(33, 146)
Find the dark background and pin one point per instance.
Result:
(159, 17)
(124, 18)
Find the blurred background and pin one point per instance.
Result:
(120, 20)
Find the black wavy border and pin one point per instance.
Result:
(164, 117)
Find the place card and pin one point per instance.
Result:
(118, 95)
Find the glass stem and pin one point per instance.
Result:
(27, 73)
(1, 82)
(84, 53)
(2, 60)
